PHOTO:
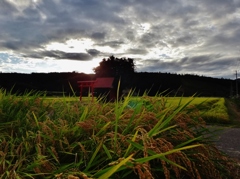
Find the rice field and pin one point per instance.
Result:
(212, 110)
(143, 137)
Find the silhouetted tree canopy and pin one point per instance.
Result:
(115, 67)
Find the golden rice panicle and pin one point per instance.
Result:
(37, 170)
(59, 176)
(54, 152)
(61, 145)
(47, 166)
(164, 145)
(62, 122)
(182, 159)
(38, 138)
(19, 149)
(145, 139)
(46, 129)
(197, 174)
(161, 146)
(165, 169)
(72, 177)
(65, 140)
(87, 125)
(143, 171)
(82, 148)
(206, 166)
(158, 145)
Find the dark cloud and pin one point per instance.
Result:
(213, 65)
(137, 51)
(185, 40)
(93, 52)
(149, 39)
(167, 35)
(114, 44)
(61, 55)
(98, 35)
(6, 7)
(76, 56)
(160, 66)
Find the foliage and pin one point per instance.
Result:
(115, 67)
(212, 110)
(67, 139)
(181, 85)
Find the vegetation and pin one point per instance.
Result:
(67, 139)
(115, 67)
(212, 110)
(179, 85)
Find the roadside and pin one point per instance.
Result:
(228, 137)
(228, 142)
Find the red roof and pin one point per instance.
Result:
(103, 83)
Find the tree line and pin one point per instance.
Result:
(121, 69)
(153, 83)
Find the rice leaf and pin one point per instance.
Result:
(84, 114)
(93, 156)
(130, 145)
(147, 159)
(163, 130)
(35, 118)
(53, 155)
(103, 128)
(188, 142)
(115, 168)
(107, 152)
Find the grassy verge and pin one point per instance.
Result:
(212, 110)
(66, 139)
(233, 106)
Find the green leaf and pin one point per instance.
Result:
(130, 145)
(146, 159)
(103, 128)
(155, 129)
(93, 156)
(107, 152)
(188, 142)
(84, 114)
(163, 130)
(53, 155)
(115, 168)
(35, 118)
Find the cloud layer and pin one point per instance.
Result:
(176, 36)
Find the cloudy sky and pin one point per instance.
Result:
(177, 36)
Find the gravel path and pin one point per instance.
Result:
(228, 141)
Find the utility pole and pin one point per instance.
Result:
(236, 84)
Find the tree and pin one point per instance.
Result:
(115, 67)
(119, 68)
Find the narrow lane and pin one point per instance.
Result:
(229, 142)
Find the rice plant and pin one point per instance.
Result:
(134, 138)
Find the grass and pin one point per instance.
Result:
(212, 110)
(49, 138)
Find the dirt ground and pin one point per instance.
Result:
(228, 141)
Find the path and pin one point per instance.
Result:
(229, 141)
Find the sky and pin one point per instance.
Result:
(200, 37)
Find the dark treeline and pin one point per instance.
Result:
(153, 83)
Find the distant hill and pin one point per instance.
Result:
(172, 84)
